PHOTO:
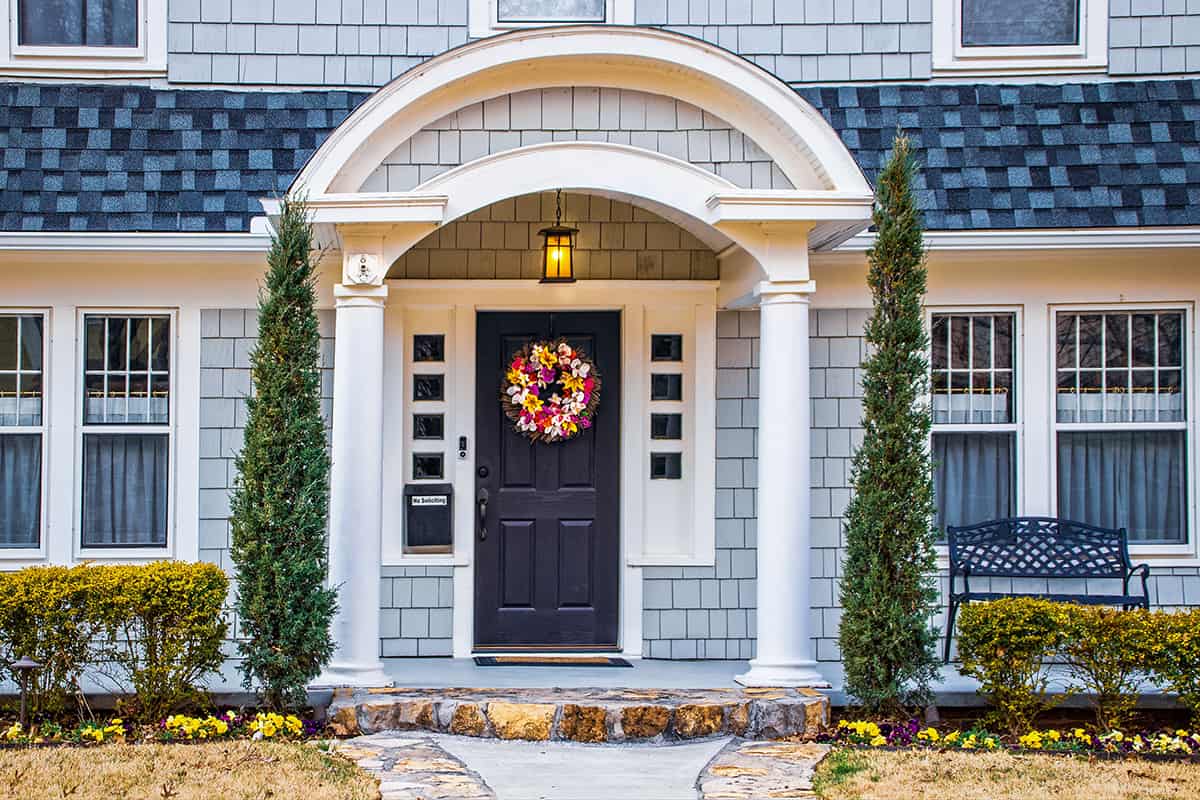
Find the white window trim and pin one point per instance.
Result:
(1017, 427)
(39, 552)
(483, 18)
(1137, 550)
(950, 57)
(149, 58)
(80, 552)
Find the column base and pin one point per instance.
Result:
(793, 674)
(358, 676)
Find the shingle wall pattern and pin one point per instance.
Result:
(649, 121)
(415, 600)
(1147, 37)
(1031, 156)
(368, 42)
(615, 240)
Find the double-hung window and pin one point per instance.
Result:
(126, 434)
(22, 429)
(1121, 420)
(973, 381)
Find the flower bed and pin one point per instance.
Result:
(912, 735)
(175, 728)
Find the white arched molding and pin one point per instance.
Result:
(784, 125)
(758, 222)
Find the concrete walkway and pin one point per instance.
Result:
(567, 771)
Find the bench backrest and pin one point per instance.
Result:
(1038, 547)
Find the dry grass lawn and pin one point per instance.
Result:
(236, 770)
(875, 775)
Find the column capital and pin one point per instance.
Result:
(780, 292)
(359, 296)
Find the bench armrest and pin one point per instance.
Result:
(1143, 571)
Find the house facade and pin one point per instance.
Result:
(715, 159)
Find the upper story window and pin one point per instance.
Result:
(488, 17)
(84, 37)
(77, 23)
(1019, 36)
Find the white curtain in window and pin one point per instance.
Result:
(20, 489)
(973, 477)
(124, 490)
(1124, 479)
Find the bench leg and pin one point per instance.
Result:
(950, 614)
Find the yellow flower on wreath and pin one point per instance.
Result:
(547, 358)
(572, 383)
(532, 403)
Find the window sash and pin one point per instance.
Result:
(128, 506)
(1019, 25)
(21, 465)
(968, 384)
(551, 11)
(125, 392)
(87, 24)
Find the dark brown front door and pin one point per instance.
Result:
(547, 547)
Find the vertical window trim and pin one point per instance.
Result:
(1017, 427)
(169, 429)
(39, 552)
(1136, 549)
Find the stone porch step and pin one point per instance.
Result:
(582, 715)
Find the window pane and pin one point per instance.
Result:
(160, 343)
(94, 337)
(974, 478)
(1125, 479)
(1143, 340)
(1004, 341)
(8, 399)
(139, 344)
(31, 343)
(550, 10)
(937, 340)
(960, 340)
(1116, 340)
(1000, 23)
(981, 343)
(1170, 343)
(94, 23)
(20, 489)
(29, 404)
(118, 350)
(1065, 341)
(1090, 340)
(124, 490)
(8, 343)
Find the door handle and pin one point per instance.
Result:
(482, 503)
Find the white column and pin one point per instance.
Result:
(356, 487)
(784, 643)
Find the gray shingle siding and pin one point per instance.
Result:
(1153, 37)
(111, 158)
(648, 121)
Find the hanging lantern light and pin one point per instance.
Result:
(558, 248)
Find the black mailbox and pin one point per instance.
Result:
(428, 517)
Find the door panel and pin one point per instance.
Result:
(547, 552)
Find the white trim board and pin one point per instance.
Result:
(1045, 239)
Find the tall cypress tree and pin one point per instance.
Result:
(888, 592)
(281, 497)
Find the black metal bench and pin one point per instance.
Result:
(1040, 547)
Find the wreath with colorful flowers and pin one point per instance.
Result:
(551, 391)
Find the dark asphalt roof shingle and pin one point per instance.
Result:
(112, 158)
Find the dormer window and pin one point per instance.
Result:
(67, 38)
(999, 37)
(488, 17)
(77, 23)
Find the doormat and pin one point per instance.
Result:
(550, 661)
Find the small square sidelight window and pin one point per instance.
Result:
(428, 426)
(666, 466)
(666, 347)
(666, 386)
(666, 426)
(429, 388)
(429, 347)
(427, 466)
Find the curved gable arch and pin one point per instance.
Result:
(795, 136)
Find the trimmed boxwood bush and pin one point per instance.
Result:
(156, 629)
(1008, 645)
